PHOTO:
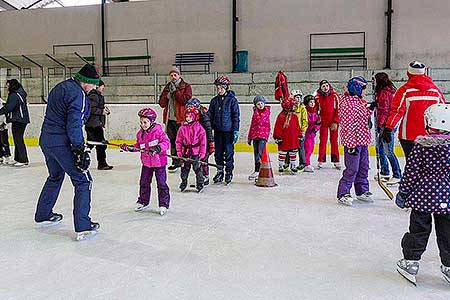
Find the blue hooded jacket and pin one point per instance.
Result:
(224, 112)
(15, 108)
(67, 111)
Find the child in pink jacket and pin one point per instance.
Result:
(191, 143)
(152, 142)
(259, 131)
(313, 127)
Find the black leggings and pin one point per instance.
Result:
(20, 150)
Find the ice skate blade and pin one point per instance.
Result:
(83, 235)
(407, 276)
(45, 224)
(446, 278)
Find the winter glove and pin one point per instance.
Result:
(301, 139)
(249, 142)
(333, 126)
(400, 199)
(82, 157)
(211, 148)
(373, 105)
(127, 148)
(352, 151)
(106, 111)
(278, 141)
(386, 135)
(155, 149)
(236, 137)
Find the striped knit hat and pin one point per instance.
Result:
(416, 68)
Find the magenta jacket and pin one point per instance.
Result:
(260, 125)
(191, 140)
(384, 100)
(144, 137)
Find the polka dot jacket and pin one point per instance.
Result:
(426, 179)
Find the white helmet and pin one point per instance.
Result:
(296, 93)
(437, 116)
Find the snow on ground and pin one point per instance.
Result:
(235, 242)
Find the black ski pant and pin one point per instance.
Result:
(20, 150)
(186, 167)
(4, 143)
(224, 154)
(414, 242)
(97, 134)
(172, 130)
(407, 147)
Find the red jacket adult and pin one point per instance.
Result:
(384, 100)
(182, 94)
(409, 104)
(290, 134)
(328, 107)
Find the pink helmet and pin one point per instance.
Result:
(148, 113)
(222, 81)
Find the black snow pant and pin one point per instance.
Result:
(407, 147)
(20, 150)
(186, 167)
(414, 242)
(97, 134)
(224, 154)
(172, 130)
(4, 143)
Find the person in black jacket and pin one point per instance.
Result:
(16, 112)
(96, 124)
(5, 152)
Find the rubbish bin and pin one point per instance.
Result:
(242, 61)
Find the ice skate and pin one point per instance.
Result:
(338, 165)
(141, 207)
(228, 178)
(253, 176)
(162, 211)
(206, 180)
(320, 165)
(301, 168)
(218, 177)
(309, 169)
(294, 170)
(446, 273)
(20, 165)
(82, 235)
(53, 220)
(384, 178)
(280, 170)
(347, 199)
(408, 269)
(393, 181)
(200, 188)
(366, 197)
(183, 185)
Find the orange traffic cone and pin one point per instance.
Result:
(265, 176)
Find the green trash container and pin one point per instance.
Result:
(242, 61)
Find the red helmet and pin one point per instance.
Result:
(194, 111)
(288, 104)
(222, 80)
(148, 113)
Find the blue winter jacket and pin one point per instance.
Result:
(15, 108)
(224, 112)
(67, 111)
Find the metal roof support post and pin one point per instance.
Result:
(15, 65)
(42, 77)
(59, 63)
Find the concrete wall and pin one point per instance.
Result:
(276, 33)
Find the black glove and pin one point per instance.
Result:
(386, 135)
(278, 141)
(301, 139)
(155, 149)
(400, 199)
(82, 157)
(373, 105)
(352, 151)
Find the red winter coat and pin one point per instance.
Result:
(260, 125)
(384, 100)
(288, 135)
(409, 104)
(182, 94)
(328, 107)
(354, 114)
(281, 87)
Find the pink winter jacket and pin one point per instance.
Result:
(144, 138)
(260, 125)
(384, 99)
(191, 140)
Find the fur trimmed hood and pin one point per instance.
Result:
(433, 140)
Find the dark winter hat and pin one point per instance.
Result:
(88, 74)
(100, 83)
(308, 98)
(416, 68)
(259, 99)
(323, 82)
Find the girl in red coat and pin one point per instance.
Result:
(259, 131)
(328, 101)
(287, 134)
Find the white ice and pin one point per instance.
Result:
(237, 242)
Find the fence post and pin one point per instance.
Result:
(155, 86)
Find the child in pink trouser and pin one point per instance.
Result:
(313, 127)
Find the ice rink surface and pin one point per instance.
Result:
(237, 242)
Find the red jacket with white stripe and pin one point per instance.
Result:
(409, 104)
(328, 107)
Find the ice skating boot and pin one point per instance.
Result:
(309, 169)
(338, 165)
(82, 235)
(141, 207)
(347, 199)
(162, 210)
(253, 176)
(366, 197)
(446, 273)
(228, 178)
(206, 180)
(183, 185)
(301, 168)
(320, 165)
(200, 187)
(219, 176)
(384, 178)
(408, 269)
(393, 181)
(53, 220)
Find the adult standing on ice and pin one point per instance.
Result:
(62, 144)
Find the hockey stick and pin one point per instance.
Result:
(164, 154)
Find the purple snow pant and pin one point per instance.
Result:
(145, 186)
(356, 171)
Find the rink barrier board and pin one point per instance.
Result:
(238, 147)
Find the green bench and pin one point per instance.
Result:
(129, 68)
(338, 58)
